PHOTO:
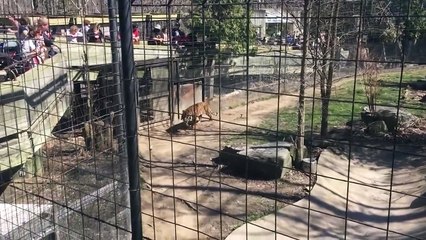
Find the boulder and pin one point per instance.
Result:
(266, 161)
(418, 85)
(377, 128)
(389, 116)
(368, 117)
(336, 133)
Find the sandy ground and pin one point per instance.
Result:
(186, 189)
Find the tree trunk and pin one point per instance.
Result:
(409, 50)
(326, 92)
(324, 116)
(301, 109)
(385, 58)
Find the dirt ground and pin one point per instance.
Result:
(185, 187)
(185, 195)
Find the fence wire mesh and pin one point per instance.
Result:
(290, 119)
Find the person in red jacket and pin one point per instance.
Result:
(136, 34)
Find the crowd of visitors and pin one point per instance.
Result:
(36, 40)
(92, 33)
(160, 36)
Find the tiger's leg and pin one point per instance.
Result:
(209, 113)
(194, 126)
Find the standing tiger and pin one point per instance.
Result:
(192, 115)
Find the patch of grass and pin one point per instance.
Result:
(341, 103)
(339, 113)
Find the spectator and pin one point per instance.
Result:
(157, 36)
(30, 48)
(86, 24)
(95, 34)
(290, 39)
(178, 36)
(74, 34)
(41, 49)
(28, 44)
(165, 34)
(44, 30)
(136, 34)
(15, 25)
(19, 25)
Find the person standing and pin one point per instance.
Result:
(44, 30)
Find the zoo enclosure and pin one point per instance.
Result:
(99, 207)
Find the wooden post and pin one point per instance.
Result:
(148, 26)
(208, 91)
(103, 134)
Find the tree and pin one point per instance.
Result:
(322, 32)
(396, 23)
(324, 50)
(301, 108)
(224, 22)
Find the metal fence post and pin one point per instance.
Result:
(130, 103)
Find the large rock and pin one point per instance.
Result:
(377, 128)
(418, 85)
(267, 161)
(389, 116)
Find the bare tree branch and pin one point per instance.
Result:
(96, 7)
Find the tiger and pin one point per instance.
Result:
(192, 115)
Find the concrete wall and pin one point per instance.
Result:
(189, 94)
(258, 21)
(99, 54)
(30, 107)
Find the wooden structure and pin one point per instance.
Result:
(163, 92)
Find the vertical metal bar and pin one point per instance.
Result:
(208, 90)
(117, 107)
(130, 100)
(351, 137)
(172, 88)
(148, 26)
(398, 112)
(247, 75)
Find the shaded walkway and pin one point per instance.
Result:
(367, 204)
